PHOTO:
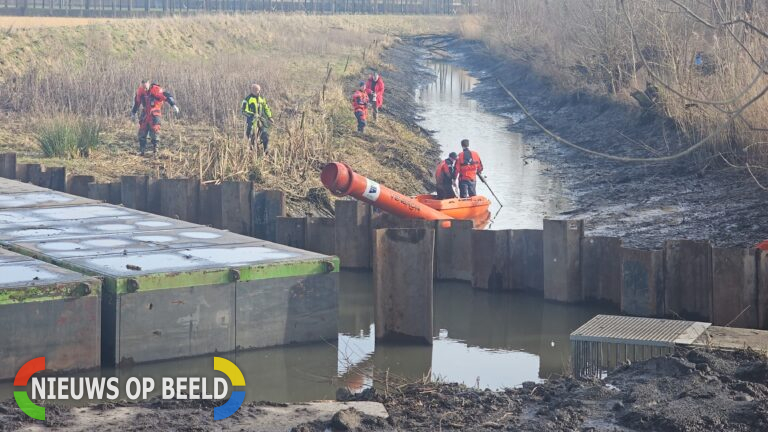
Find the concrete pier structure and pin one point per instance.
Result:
(172, 288)
(47, 311)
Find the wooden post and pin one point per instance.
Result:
(78, 184)
(321, 235)
(179, 198)
(734, 287)
(526, 260)
(57, 178)
(453, 251)
(402, 275)
(688, 279)
(642, 282)
(98, 191)
(601, 269)
(133, 192)
(353, 234)
(490, 260)
(268, 205)
(8, 165)
(562, 260)
(291, 231)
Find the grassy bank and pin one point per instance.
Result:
(705, 62)
(307, 66)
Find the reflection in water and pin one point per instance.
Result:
(494, 339)
(526, 193)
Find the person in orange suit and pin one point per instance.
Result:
(150, 98)
(445, 175)
(374, 87)
(470, 166)
(360, 106)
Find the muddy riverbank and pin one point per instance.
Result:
(643, 203)
(689, 391)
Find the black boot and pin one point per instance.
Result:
(142, 146)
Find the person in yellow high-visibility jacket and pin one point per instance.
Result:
(255, 109)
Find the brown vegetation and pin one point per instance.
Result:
(305, 64)
(706, 58)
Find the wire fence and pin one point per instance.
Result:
(127, 8)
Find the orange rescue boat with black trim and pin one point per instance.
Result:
(474, 208)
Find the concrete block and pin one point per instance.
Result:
(762, 289)
(403, 276)
(78, 184)
(688, 279)
(490, 260)
(642, 282)
(453, 251)
(8, 165)
(287, 310)
(353, 234)
(526, 260)
(57, 178)
(562, 259)
(98, 191)
(133, 192)
(321, 235)
(47, 311)
(179, 198)
(734, 287)
(268, 205)
(601, 269)
(292, 232)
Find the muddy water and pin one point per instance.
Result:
(485, 339)
(526, 193)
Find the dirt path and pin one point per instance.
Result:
(645, 204)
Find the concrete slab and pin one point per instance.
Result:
(47, 311)
(39, 199)
(8, 186)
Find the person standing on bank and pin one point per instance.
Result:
(470, 166)
(360, 106)
(255, 109)
(150, 98)
(374, 87)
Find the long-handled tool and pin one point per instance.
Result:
(482, 178)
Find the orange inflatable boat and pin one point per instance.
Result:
(474, 208)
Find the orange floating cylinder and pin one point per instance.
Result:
(341, 180)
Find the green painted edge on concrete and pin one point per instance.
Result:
(202, 277)
(55, 291)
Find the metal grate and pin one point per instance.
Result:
(605, 341)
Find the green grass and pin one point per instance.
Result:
(68, 137)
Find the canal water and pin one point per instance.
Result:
(481, 339)
(451, 114)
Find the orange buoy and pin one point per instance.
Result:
(341, 180)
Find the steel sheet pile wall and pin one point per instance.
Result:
(171, 288)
